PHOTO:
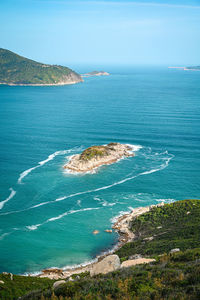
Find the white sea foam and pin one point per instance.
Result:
(42, 163)
(135, 147)
(25, 173)
(12, 194)
(79, 203)
(4, 235)
(34, 227)
(169, 200)
(161, 167)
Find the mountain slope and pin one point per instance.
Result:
(18, 70)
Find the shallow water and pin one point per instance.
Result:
(46, 214)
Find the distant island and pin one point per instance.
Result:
(18, 70)
(95, 73)
(96, 156)
(191, 68)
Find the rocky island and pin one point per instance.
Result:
(96, 73)
(96, 156)
(18, 70)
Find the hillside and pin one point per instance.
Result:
(18, 70)
(174, 275)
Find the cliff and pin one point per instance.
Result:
(18, 70)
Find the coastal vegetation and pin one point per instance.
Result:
(174, 275)
(97, 151)
(18, 70)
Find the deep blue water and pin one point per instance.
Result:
(47, 216)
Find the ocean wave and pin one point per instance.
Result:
(12, 194)
(42, 163)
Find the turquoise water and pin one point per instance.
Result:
(46, 215)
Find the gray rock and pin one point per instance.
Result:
(135, 256)
(57, 283)
(70, 279)
(174, 250)
(1, 282)
(108, 264)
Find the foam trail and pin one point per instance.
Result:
(12, 194)
(25, 173)
(34, 227)
(42, 163)
(4, 235)
(163, 166)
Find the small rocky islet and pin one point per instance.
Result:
(96, 156)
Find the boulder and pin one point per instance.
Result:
(57, 283)
(174, 250)
(95, 232)
(108, 264)
(1, 282)
(138, 261)
(108, 230)
(71, 279)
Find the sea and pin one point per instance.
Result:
(48, 215)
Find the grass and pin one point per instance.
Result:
(94, 152)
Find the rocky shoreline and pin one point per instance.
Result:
(96, 156)
(122, 226)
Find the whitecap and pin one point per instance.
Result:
(12, 194)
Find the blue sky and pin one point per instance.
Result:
(99, 32)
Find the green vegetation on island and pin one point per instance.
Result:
(174, 275)
(96, 151)
(18, 70)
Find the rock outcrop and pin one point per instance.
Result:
(138, 261)
(57, 283)
(109, 264)
(96, 156)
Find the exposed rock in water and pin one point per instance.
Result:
(95, 232)
(108, 264)
(108, 230)
(96, 156)
(96, 73)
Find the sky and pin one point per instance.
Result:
(114, 32)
